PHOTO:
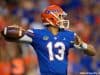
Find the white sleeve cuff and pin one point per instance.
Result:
(26, 38)
(84, 45)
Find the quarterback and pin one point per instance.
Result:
(52, 43)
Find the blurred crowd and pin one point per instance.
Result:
(20, 58)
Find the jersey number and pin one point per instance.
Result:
(61, 48)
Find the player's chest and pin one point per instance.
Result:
(47, 40)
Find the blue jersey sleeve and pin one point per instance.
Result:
(28, 36)
(30, 33)
(72, 40)
(33, 34)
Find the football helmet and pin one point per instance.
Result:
(55, 16)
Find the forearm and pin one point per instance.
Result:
(90, 50)
(86, 48)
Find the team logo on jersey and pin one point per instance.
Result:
(45, 37)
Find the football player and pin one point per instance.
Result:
(52, 43)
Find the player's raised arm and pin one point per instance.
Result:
(87, 48)
(16, 33)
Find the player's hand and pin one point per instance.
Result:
(79, 44)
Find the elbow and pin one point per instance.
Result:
(90, 53)
(93, 53)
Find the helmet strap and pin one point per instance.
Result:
(50, 21)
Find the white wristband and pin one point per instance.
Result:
(84, 45)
